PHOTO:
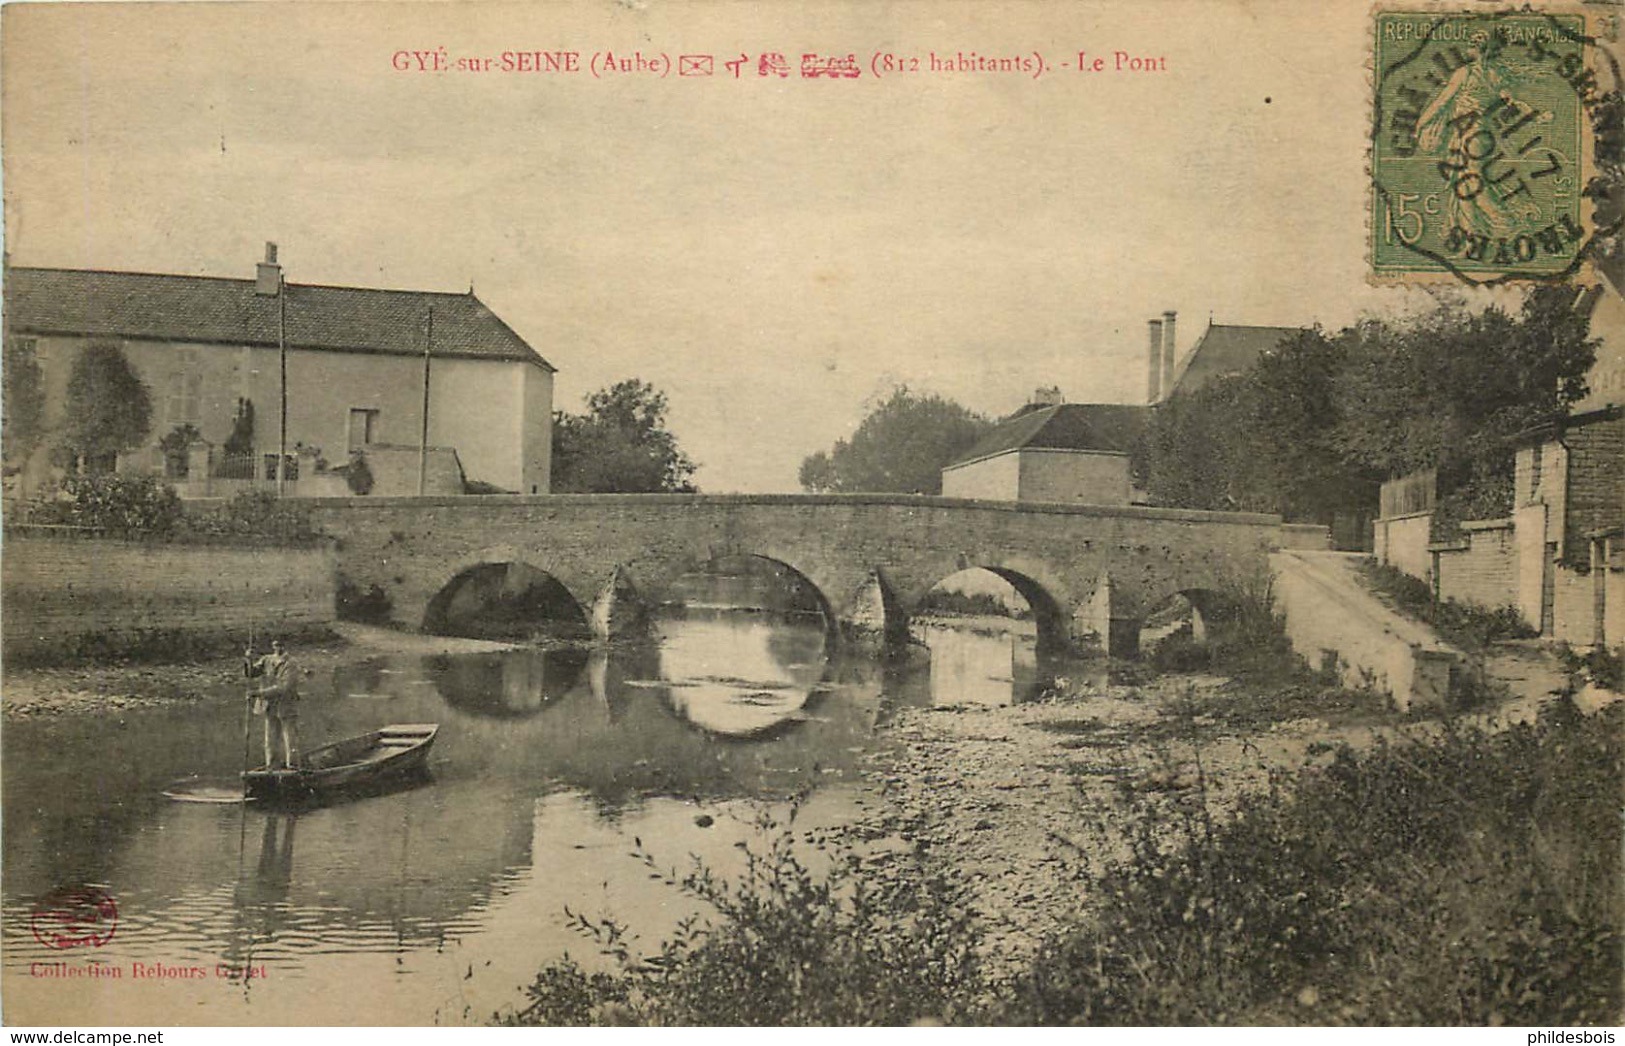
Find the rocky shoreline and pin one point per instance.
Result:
(1025, 801)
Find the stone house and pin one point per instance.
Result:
(1070, 453)
(356, 373)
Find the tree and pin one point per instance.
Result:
(900, 447)
(1453, 388)
(1314, 426)
(108, 408)
(620, 445)
(24, 404)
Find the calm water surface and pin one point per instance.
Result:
(434, 905)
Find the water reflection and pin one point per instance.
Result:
(741, 677)
(508, 684)
(989, 665)
(400, 891)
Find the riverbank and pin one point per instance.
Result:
(1021, 801)
(1184, 850)
(1028, 802)
(116, 687)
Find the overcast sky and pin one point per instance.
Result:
(773, 253)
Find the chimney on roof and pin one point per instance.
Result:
(1153, 363)
(1047, 396)
(268, 274)
(1168, 350)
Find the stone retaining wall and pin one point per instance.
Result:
(66, 595)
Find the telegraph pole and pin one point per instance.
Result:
(282, 355)
(423, 436)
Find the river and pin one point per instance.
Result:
(435, 904)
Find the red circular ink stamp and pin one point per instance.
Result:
(81, 916)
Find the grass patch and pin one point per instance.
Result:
(1468, 879)
(1468, 626)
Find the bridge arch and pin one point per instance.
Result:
(648, 580)
(506, 577)
(1045, 595)
(1205, 608)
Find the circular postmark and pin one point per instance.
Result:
(1482, 147)
(78, 916)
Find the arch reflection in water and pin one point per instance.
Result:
(742, 675)
(972, 666)
(509, 684)
(984, 629)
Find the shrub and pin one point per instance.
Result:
(788, 947)
(1469, 879)
(358, 474)
(124, 505)
(1466, 625)
(1599, 665)
(1181, 652)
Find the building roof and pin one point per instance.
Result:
(1110, 427)
(1222, 350)
(142, 305)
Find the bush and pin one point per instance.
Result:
(1181, 652)
(1470, 879)
(788, 947)
(1599, 665)
(358, 474)
(123, 505)
(1466, 625)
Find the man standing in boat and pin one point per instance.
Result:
(277, 699)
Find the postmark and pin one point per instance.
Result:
(78, 916)
(1480, 150)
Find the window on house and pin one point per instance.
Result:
(183, 398)
(363, 426)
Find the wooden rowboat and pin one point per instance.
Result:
(355, 765)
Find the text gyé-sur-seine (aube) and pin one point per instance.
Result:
(774, 64)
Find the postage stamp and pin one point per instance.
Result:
(1480, 144)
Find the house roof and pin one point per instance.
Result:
(1112, 427)
(228, 311)
(1225, 349)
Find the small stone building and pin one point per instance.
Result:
(1067, 453)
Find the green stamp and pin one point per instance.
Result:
(1478, 151)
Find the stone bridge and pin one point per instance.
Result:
(1090, 573)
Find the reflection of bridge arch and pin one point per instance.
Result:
(510, 685)
(502, 578)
